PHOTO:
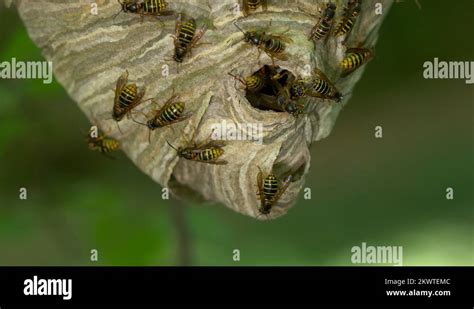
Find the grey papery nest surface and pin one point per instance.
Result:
(89, 52)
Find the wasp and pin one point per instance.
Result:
(250, 6)
(253, 83)
(355, 58)
(127, 97)
(208, 151)
(351, 11)
(297, 90)
(272, 44)
(321, 87)
(146, 7)
(102, 143)
(270, 189)
(286, 83)
(291, 106)
(186, 37)
(324, 24)
(280, 103)
(289, 92)
(280, 91)
(171, 112)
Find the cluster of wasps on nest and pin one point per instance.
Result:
(270, 87)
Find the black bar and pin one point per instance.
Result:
(239, 285)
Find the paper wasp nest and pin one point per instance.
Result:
(89, 52)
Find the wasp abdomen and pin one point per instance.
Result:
(254, 83)
(274, 46)
(324, 24)
(210, 154)
(168, 115)
(154, 6)
(187, 31)
(254, 4)
(103, 143)
(322, 31)
(349, 18)
(270, 187)
(173, 112)
(127, 95)
(355, 59)
(322, 87)
(110, 145)
(345, 27)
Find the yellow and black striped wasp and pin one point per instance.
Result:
(288, 90)
(270, 189)
(208, 151)
(324, 24)
(355, 58)
(100, 142)
(145, 7)
(127, 97)
(250, 6)
(272, 44)
(320, 86)
(273, 92)
(288, 84)
(348, 19)
(253, 83)
(186, 37)
(281, 102)
(171, 112)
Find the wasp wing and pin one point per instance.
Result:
(281, 37)
(319, 74)
(211, 144)
(198, 36)
(216, 162)
(121, 82)
(260, 187)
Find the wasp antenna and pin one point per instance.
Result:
(117, 13)
(239, 78)
(171, 128)
(118, 126)
(171, 145)
(138, 122)
(237, 26)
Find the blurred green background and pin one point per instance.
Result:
(388, 192)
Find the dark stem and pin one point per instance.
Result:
(183, 234)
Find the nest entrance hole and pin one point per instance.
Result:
(272, 91)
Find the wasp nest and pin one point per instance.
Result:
(90, 51)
